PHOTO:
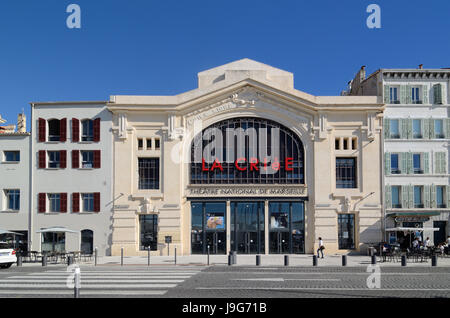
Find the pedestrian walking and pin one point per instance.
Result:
(321, 247)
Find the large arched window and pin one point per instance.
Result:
(247, 151)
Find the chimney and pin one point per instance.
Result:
(21, 123)
(420, 66)
(362, 73)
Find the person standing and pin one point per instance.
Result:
(321, 247)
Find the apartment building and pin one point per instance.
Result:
(416, 149)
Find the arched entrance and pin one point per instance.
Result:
(243, 156)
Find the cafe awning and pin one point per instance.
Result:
(424, 214)
(9, 232)
(412, 229)
(56, 230)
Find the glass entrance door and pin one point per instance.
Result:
(279, 242)
(208, 227)
(247, 227)
(216, 242)
(287, 227)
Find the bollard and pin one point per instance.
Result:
(69, 260)
(403, 260)
(95, 256)
(121, 256)
(344, 260)
(434, 260)
(258, 260)
(286, 260)
(76, 285)
(230, 259)
(374, 260)
(234, 257)
(175, 256)
(314, 260)
(208, 256)
(44, 259)
(148, 257)
(19, 260)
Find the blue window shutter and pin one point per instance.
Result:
(405, 197)
(387, 163)
(433, 196)
(387, 94)
(403, 158)
(387, 130)
(403, 99)
(426, 196)
(425, 94)
(388, 196)
(426, 128)
(426, 162)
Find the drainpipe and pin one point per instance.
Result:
(30, 181)
(383, 186)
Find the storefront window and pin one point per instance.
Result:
(53, 242)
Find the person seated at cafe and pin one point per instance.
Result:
(427, 242)
(415, 244)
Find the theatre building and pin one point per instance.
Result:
(246, 163)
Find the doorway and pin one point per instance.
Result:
(247, 227)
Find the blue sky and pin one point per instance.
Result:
(149, 47)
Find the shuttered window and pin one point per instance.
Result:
(97, 202)
(75, 202)
(42, 129)
(75, 130)
(97, 130)
(42, 202)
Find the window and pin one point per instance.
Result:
(157, 143)
(148, 173)
(148, 232)
(394, 164)
(12, 156)
(87, 159)
(417, 128)
(415, 95)
(345, 173)
(149, 144)
(337, 143)
(346, 231)
(354, 143)
(345, 144)
(54, 159)
(242, 138)
(393, 95)
(54, 131)
(438, 128)
(87, 130)
(140, 143)
(12, 200)
(396, 202)
(88, 202)
(440, 203)
(394, 129)
(55, 202)
(418, 196)
(417, 163)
